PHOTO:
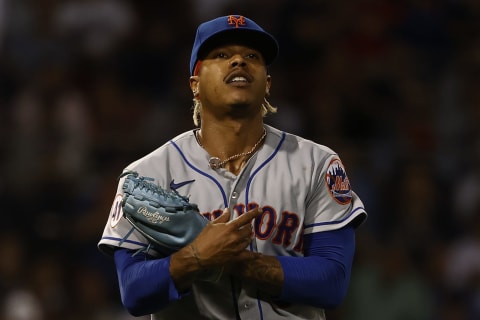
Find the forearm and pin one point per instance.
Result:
(314, 281)
(145, 285)
(265, 271)
(185, 267)
(320, 279)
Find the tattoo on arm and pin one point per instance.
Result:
(265, 271)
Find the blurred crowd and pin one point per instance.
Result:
(87, 86)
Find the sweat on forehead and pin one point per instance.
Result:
(233, 29)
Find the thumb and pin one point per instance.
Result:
(224, 217)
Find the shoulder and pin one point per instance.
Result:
(295, 144)
(165, 151)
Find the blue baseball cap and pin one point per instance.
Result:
(234, 29)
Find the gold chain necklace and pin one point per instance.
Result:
(216, 163)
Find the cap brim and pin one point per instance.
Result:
(258, 40)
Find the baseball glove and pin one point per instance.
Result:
(167, 219)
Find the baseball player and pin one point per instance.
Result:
(281, 237)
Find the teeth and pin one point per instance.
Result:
(239, 79)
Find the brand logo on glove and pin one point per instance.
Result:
(153, 217)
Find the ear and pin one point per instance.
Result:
(194, 85)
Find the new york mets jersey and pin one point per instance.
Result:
(301, 186)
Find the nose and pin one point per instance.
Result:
(238, 61)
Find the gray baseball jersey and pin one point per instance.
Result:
(301, 186)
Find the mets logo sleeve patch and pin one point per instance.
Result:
(337, 182)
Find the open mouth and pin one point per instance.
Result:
(238, 78)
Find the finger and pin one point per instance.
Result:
(242, 243)
(224, 217)
(246, 218)
(245, 232)
(245, 242)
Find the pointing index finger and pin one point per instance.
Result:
(246, 218)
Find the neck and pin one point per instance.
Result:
(227, 138)
(232, 145)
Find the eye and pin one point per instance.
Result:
(252, 55)
(220, 55)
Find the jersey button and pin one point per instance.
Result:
(234, 195)
(246, 306)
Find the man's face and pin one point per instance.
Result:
(232, 76)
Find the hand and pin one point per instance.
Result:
(222, 242)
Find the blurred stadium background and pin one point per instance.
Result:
(87, 86)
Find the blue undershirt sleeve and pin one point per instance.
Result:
(321, 278)
(145, 283)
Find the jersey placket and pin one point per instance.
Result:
(248, 305)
